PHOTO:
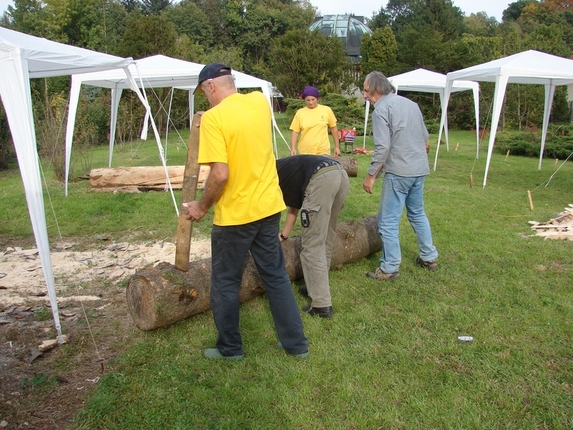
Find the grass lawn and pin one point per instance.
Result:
(390, 357)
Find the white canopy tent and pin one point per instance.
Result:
(528, 67)
(23, 57)
(153, 72)
(157, 71)
(426, 81)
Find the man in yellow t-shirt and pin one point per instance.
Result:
(235, 141)
(312, 123)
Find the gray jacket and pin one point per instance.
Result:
(400, 137)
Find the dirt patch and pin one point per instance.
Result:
(45, 390)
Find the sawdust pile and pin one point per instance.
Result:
(22, 279)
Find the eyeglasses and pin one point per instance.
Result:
(365, 90)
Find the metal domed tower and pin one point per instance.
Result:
(349, 29)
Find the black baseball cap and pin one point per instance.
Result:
(211, 71)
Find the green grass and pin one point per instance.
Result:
(390, 357)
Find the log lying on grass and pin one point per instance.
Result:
(161, 295)
(147, 178)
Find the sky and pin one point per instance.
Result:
(4, 5)
(367, 7)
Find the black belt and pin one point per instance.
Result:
(326, 169)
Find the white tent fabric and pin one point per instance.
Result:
(157, 71)
(426, 81)
(528, 67)
(154, 72)
(23, 57)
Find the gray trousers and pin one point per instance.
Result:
(323, 200)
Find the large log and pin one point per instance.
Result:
(162, 295)
(350, 164)
(153, 177)
(149, 177)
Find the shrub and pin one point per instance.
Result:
(558, 144)
(433, 125)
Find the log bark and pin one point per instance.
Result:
(188, 193)
(350, 164)
(162, 295)
(147, 178)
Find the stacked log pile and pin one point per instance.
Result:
(560, 227)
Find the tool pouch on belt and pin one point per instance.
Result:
(304, 218)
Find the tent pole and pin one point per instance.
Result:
(17, 101)
(143, 97)
(168, 119)
(549, 93)
(445, 101)
(499, 93)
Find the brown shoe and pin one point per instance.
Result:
(431, 265)
(383, 276)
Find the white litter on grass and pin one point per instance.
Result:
(465, 338)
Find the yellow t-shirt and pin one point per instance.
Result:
(313, 124)
(238, 132)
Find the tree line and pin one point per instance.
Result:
(270, 39)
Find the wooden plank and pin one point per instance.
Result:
(188, 192)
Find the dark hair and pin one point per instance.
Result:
(379, 84)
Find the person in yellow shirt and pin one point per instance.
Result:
(243, 185)
(312, 123)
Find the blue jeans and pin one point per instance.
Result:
(229, 248)
(397, 192)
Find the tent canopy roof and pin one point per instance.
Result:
(426, 81)
(46, 58)
(156, 71)
(160, 71)
(527, 67)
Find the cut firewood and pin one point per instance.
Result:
(560, 227)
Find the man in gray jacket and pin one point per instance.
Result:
(401, 146)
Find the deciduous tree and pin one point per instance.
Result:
(379, 51)
(303, 57)
(147, 35)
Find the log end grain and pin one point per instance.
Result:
(141, 302)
